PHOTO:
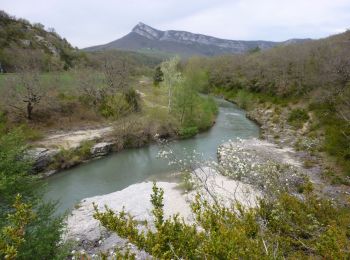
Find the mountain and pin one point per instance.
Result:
(144, 38)
(21, 42)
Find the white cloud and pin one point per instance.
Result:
(86, 22)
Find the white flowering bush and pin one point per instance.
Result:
(308, 144)
(247, 166)
(239, 163)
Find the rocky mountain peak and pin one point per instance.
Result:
(147, 31)
(144, 37)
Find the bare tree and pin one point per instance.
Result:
(90, 84)
(23, 93)
(117, 75)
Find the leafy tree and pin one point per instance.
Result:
(172, 77)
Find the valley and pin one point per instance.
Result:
(167, 144)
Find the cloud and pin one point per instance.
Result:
(86, 22)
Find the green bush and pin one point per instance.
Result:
(67, 158)
(115, 107)
(298, 117)
(187, 132)
(40, 236)
(133, 99)
(287, 227)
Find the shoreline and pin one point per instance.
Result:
(285, 136)
(45, 157)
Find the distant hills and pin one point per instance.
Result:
(144, 38)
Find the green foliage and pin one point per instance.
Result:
(172, 238)
(115, 107)
(42, 233)
(30, 133)
(172, 77)
(244, 99)
(187, 182)
(158, 76)
(133, 99)
(298, 117)
(287, 227)
(14, 177)
(12, 235)
(67, 158)
(187, 132)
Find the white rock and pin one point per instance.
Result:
(101, 149)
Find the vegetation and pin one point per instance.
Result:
(297, 117)
(285, 228)
(158, 76)
(50, 85)
(194, 112)
(19, 38)
(28, 226)
(310, 77)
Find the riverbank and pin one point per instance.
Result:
(302, 145)
(65, 149)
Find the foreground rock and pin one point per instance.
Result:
(82, 227)
(92, 238)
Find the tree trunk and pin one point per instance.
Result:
(169, 101)
(29, 110)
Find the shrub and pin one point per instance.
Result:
(132, 98)
(115, 107)
(243, 99)
(284, 228)
(187, 132)
(297, 117)
(40, 236)
(69, 157)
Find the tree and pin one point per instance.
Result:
(23, 236)
(90, 84)
(172, 77)
(24, 93)
(117, 75)
(158, 76)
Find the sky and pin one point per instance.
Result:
(91, 22)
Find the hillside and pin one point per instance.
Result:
(20, 41)
(144, 38)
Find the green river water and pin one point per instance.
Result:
(119, 170)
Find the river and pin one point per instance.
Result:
(119, 170)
